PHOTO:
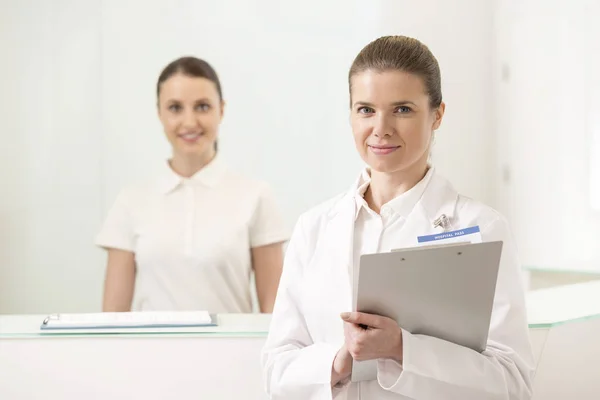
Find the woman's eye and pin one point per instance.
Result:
(175, 108)
(203, 107)
(403, 109)
(365, 110)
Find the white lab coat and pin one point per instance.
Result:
(306, 329)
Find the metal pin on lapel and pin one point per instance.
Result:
(442, 221)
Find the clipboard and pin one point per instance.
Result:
(441, 291)
(119, 320)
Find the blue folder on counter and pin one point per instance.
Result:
(117, 320)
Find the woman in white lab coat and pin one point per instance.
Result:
(396, 105)
(189, 239)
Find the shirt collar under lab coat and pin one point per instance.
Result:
(402, 204)
(210, 175)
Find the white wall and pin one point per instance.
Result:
(545, 120)
(50, 170)
(283, 68)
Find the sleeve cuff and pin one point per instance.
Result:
(339, 387)
(113, 243)
(321, 356)
(264, 240)
(390, 373)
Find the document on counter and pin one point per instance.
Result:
(141, 319)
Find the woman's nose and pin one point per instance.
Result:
(382, 126)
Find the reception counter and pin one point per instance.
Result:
(189, 363)
(565, 327)
(223, 362)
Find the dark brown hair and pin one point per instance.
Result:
(401, 53)
(193, 67)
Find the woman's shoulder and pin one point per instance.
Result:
(241, 183)
(142, 191)
(239, 178)
(476, 212)
(467, 209)
(321, 212)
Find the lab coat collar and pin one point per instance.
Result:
(438, 198)
(210, 175)
(402, 204)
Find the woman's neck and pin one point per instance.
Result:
(385, 187)
(187, 165)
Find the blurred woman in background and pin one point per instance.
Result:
(190, 239)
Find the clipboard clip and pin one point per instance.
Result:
(442, 221)
(50, 317)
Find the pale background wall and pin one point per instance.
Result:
(51, 166)
(547, 115)
(77, 107)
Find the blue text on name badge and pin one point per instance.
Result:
(448, 235)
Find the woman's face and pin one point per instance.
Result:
(190, 111)
(391, 120)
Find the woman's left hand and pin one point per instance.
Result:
(382, 337)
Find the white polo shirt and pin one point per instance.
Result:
(192, 238)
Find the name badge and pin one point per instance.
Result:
(467, 235)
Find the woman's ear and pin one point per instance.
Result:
(438, 116)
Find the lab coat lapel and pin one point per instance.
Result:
(439, 198)
(338, 238)
(328, 281)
